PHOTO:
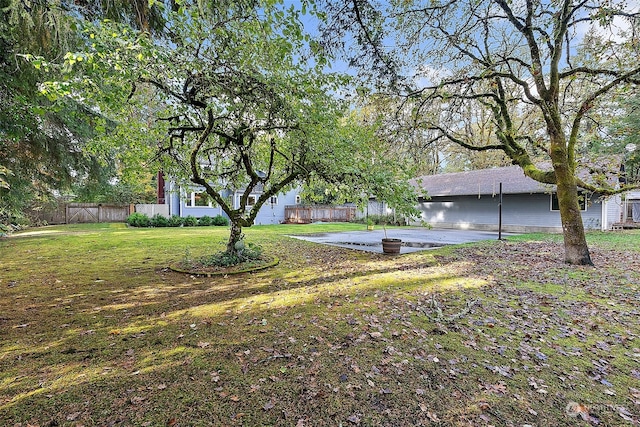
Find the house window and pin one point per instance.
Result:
(251, 200)
(298, 199)
(273, 200)
(200, 199)
(582, 201)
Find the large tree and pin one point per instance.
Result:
(512, 59)
(246, 105)
(42, 144)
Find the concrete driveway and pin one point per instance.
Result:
(413, 239)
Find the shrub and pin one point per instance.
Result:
(138, 219)
(245, 253)
(175, 221)
(220, 220)
(190, 221)
(205, 221)
(382, 220)
(159, 221)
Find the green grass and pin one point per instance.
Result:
(625, 240)
(97, 331)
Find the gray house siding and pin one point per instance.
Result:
(274, 213)
(470, 200)
(612, 211)
(520, 213)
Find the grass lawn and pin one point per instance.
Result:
(97, 331)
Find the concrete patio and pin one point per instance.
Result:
(413, 238)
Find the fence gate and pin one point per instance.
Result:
(92, 212)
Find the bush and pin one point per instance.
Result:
(159, 221)
(190, 221)
(205, 221)
(175, 221)
(138, 219)
(246, 253)
(220, 220)
(382, 220)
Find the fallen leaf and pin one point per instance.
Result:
(354, 419)
(269, 405)
(73, 416)
(433, 417)
(136, 400)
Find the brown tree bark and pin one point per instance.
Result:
(235, 236)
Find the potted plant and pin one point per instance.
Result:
(390, 245)
(369, 224)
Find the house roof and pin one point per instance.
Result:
(481, 182)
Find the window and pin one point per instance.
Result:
(251, 200)
(298, 199)
(200, 199)
(582, 201)
(273, 200)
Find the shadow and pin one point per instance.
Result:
(147, 325)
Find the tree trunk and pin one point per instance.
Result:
(576, 251)
(234, 236)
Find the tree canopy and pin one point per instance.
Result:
(233, 97)
(538, 69)
(43, 144)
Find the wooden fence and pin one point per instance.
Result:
(96, 212)
(74, 213)
(300, 214)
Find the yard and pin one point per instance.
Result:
(97, 331)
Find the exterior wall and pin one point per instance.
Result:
(274, 214)
(172, 198)
(611, 212)
(520, 213)
(200, 211)
(151, 209)
(268, 214)
(374, 207)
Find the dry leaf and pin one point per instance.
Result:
(269, 405)
(354, 419)
(433, 417)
